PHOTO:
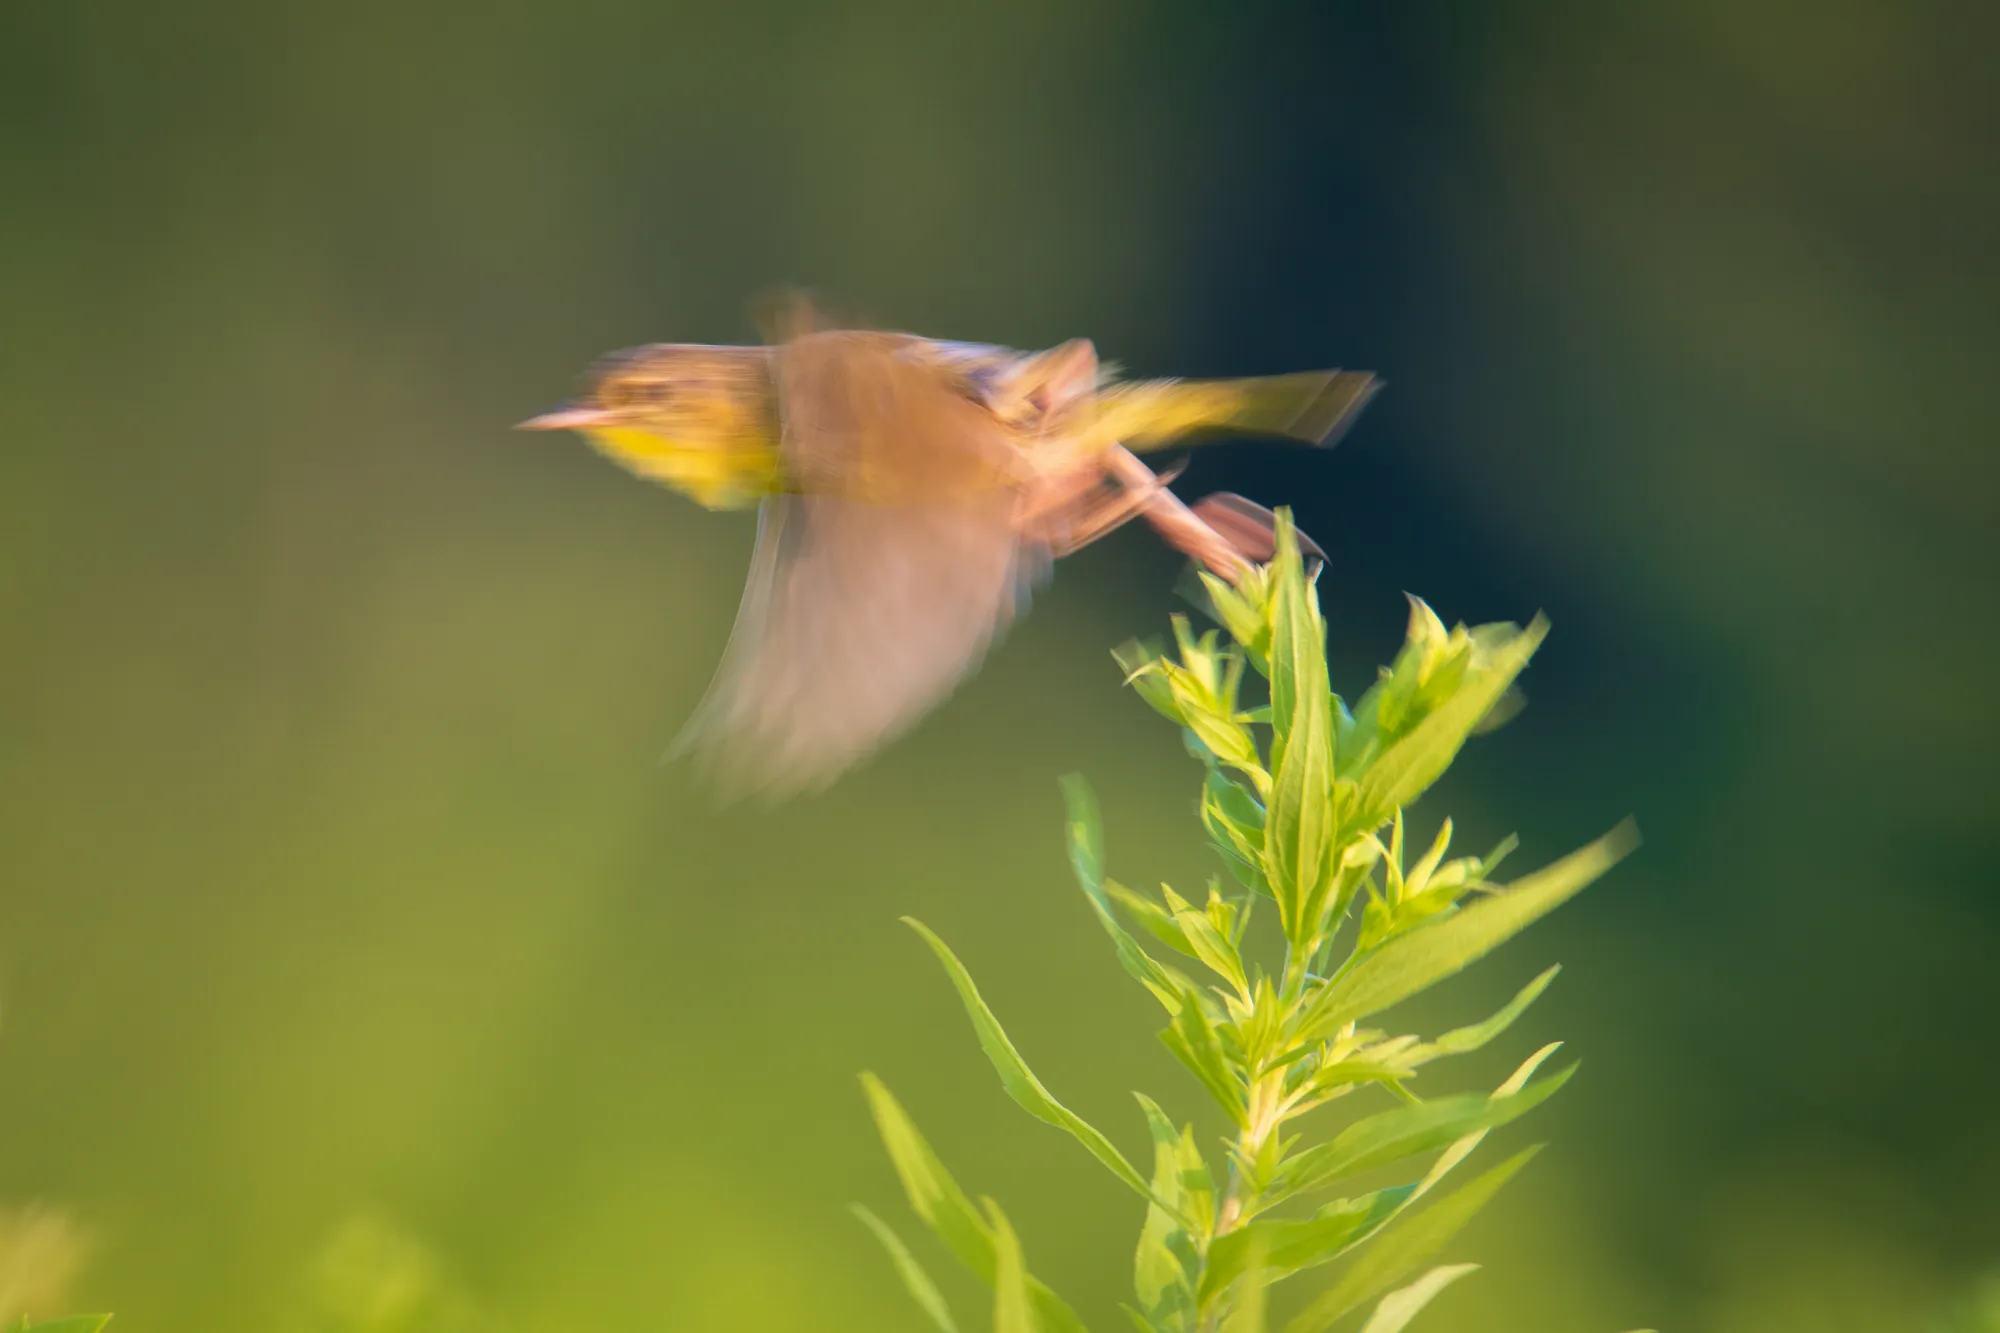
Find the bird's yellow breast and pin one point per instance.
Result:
(733, 473)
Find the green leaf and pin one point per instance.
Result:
(1248, 1314)
(1016, 1077)
(1380, 715)
(1399, 1307)
(1292, 642)
(1086, 855)
(1411, 962)
(1213, 948)
(1463, 1041)
(1243, 612)
(81, 1323)
(1402, 772)
(1504, 710)
(1167, 1253)
(1455, 1155)
(1404, 1246)
(1150, 917)
(1290, 1244)
(1409, 1131)
(1230, 916)
(1493, 858)
(1300, 832)
(1085, 831)
(1194, 1042)
(1195, 1186)
(915, 1280)
(936, 1198)
(1222, 735)
(1419, 875)
(1449, 1160)
(1235, 823)
(1238, 805)
(934, 1195)
(1145, 672)
(1010, 1277)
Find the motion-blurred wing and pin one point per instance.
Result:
(871, 595)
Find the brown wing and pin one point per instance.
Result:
(873, 593)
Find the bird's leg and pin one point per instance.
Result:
(1071, 509)
(1074, 509)
(1179, 526)
(1251, 528)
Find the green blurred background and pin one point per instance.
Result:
(338, 868)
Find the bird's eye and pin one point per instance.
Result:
(638, 393)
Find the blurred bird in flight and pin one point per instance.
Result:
(911, 493)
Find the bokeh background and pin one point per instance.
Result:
(339, 873)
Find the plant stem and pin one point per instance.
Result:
(1266, 1111)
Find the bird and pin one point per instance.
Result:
(911, 493)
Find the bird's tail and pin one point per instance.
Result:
(1315, 407)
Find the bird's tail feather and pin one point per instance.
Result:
(1315, 407)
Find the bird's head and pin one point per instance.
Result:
(683, 395)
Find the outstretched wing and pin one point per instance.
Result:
(882, 584)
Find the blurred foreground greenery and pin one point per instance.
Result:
(41, 1253)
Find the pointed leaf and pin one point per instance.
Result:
(1399, 1307)
(1244, 612)
(1299, 833)
(1086, 854)
(1291, 1244)
(1150, 917)
(1161, 1265)
(1404, 1246)
(1085, 830)
(1144, 672)
(936, 1198)
(1213, 948)
(1409, 963)
(1248, 1314)
(1223, 736)
(1493, 858)
(1193, 1041)
(1462, 1041)
(1450, 1159)
(1401, 773)
(1194, 1185)
(915, 1280)
(1409, 1131)
(1235, 822)
(1010, 1277)
(1292, 642)
(1016, 1077)
(1504, 710)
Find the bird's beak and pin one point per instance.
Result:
(569, 416)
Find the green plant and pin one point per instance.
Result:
(1977, 1312)
(1304, 802)
(372, 1275)
(41, 1252)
